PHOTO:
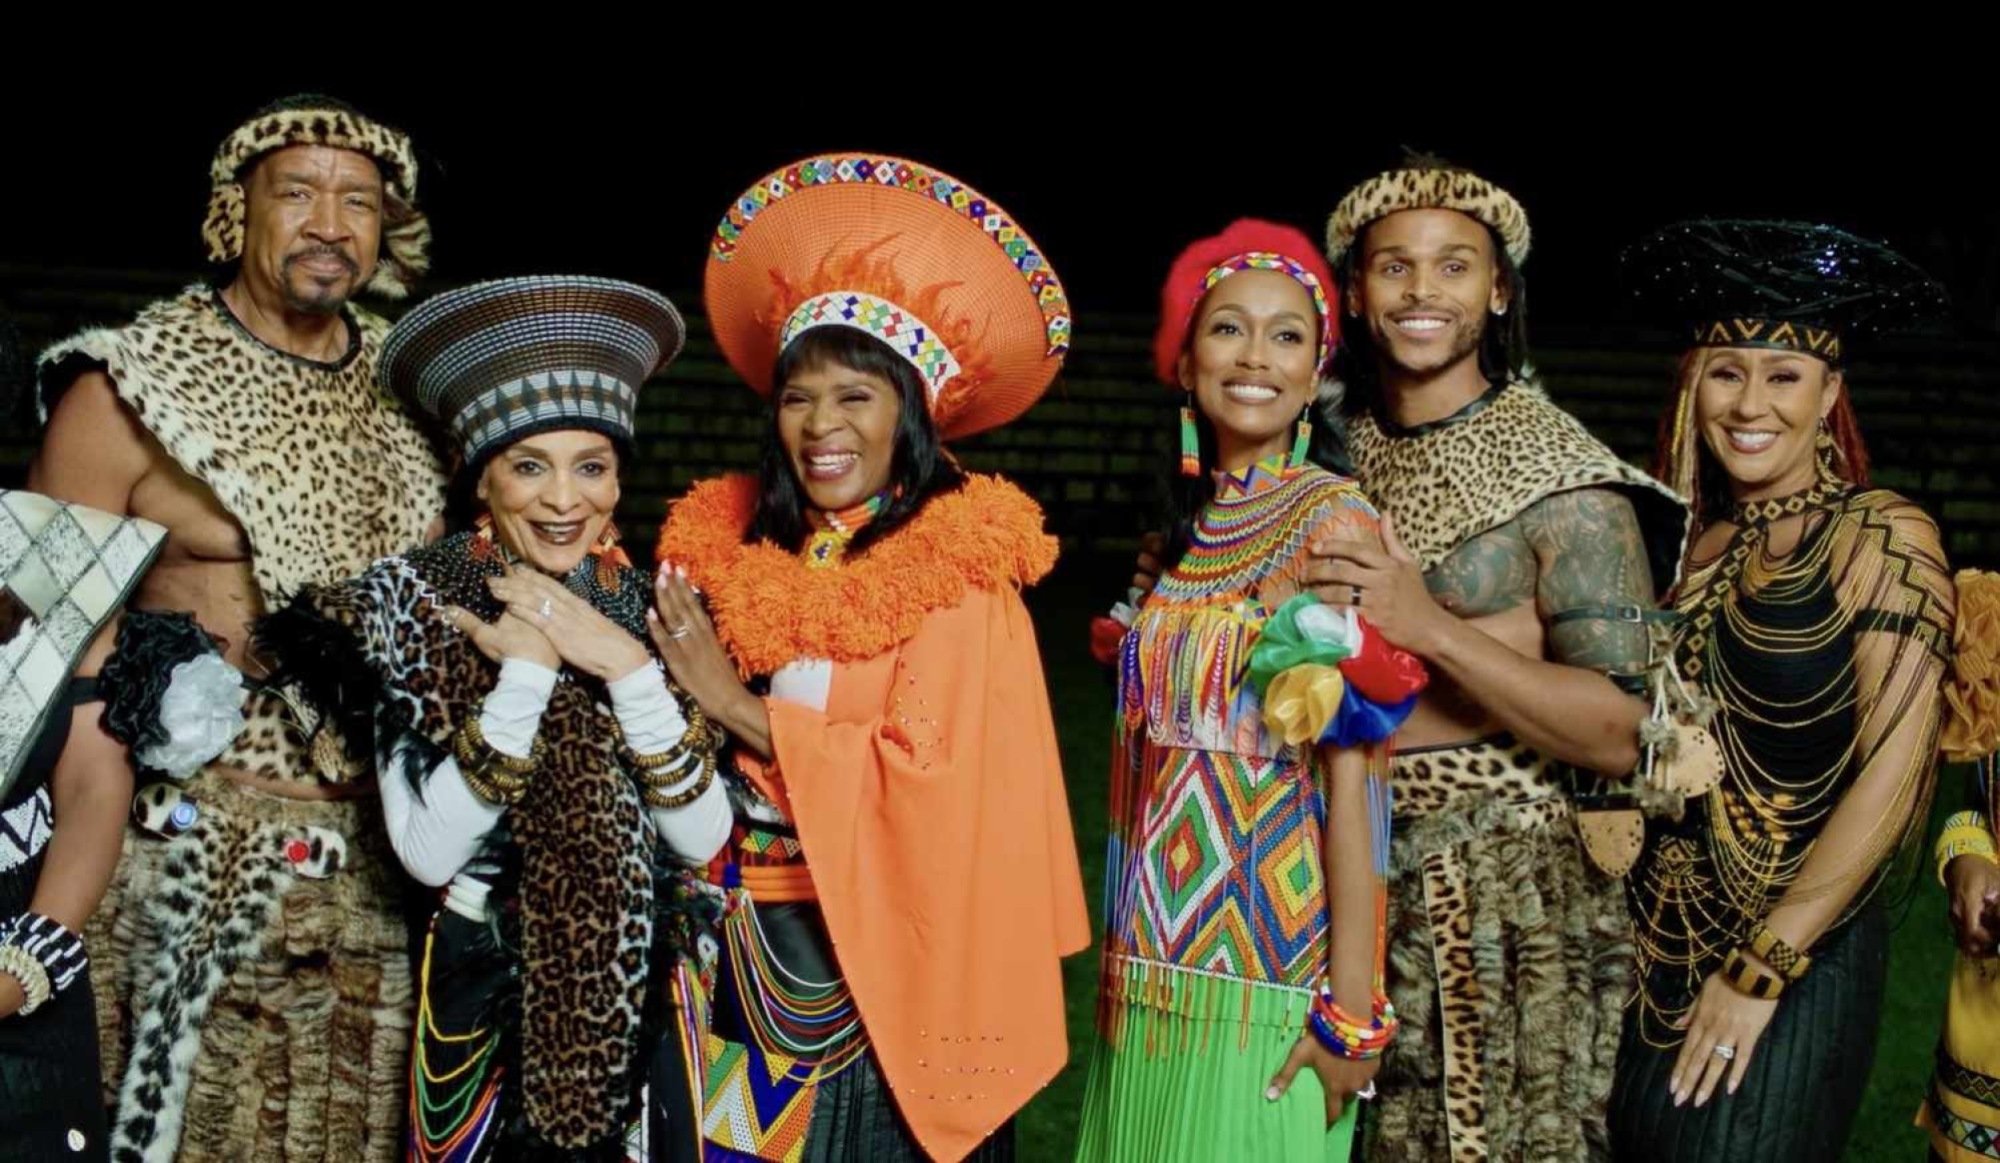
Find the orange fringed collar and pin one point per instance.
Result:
(771, 609)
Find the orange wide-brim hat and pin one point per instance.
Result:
(905, 253)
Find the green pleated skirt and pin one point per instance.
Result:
(1180, 1068)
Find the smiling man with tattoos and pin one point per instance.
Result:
(1521, 560)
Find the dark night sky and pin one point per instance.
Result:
(628, 180)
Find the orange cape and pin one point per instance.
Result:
(928, 795)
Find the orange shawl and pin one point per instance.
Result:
(928, 796)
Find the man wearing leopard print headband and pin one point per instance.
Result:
(250, 960)
(1521, 561)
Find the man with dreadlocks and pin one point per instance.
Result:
(250, 960)
(1521, 560)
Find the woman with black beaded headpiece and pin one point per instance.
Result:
(1810, 656)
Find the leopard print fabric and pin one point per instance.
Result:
(324, 471)
(1421, 187)
(1510, 962)
(264, 1001)
(585, 877)
(251, 1004)
(1447, 483)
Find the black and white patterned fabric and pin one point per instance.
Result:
(67, 569)
(24, 829)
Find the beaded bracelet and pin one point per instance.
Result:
(1777, 954)
(43, 955)
(1965, 834)
(659, 778)
(492, 787)
(21, 965)
(471, 747)
(1337, 1030)
(694, 733)
(55, 945)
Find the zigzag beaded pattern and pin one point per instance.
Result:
(938, 186)
(1983, 1088)
(1247, 529)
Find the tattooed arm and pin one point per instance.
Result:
(1576, 550)
(1591, 555)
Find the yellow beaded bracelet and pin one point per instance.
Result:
(692, 735)
(493, 786)
(1965, 834)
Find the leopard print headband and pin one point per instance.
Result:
(405, 243)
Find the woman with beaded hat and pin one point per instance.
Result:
(902, 879)
(531, 749)
(1815, 631)
(1244, 939)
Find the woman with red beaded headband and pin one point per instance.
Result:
(902, 879)
(1244, 935)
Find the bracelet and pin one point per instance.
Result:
(662, 778)
(494, 775)
(52, 943)
(471, 747)
(491, 790)
(1339, 1032)
(1749, 980)
(1776, 953)
(656, 796)
(492, 782)
(656, 761)
(1965, 834)
(696, 731)
(667, 768)
(704, 731)
(22, 966)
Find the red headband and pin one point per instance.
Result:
(1243, 246)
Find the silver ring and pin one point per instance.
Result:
(1354, 598)
(680, 632)
(1726, 1053)
(548, 608)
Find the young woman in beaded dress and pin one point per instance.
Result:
(1241, 1006)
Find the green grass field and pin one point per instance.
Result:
(1920, 957)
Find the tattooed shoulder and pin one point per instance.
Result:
(1488, 574)
(1589, 554)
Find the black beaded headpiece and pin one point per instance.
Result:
(1790, 285)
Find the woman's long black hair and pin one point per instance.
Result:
(920, 469)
